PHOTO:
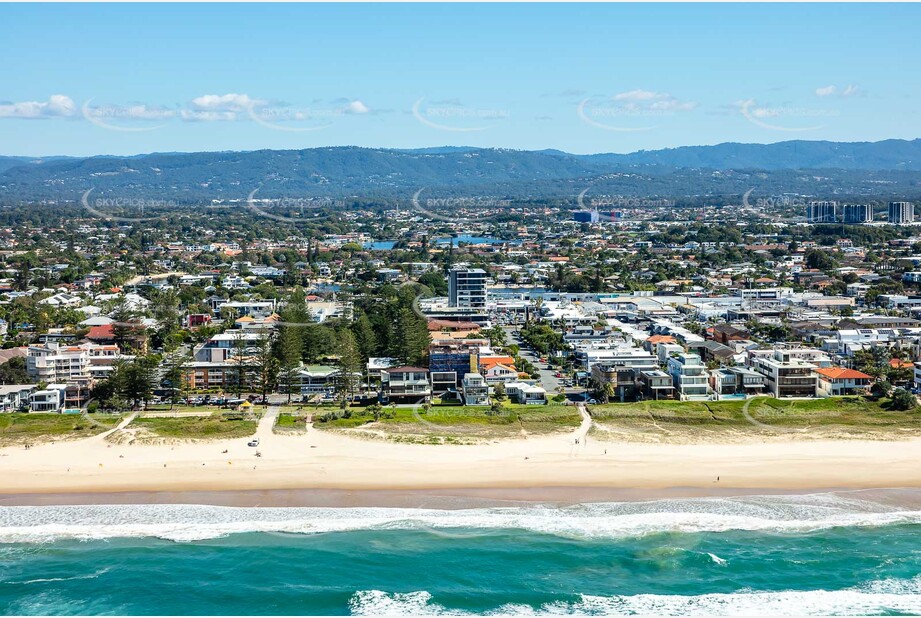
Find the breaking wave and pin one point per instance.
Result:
(777, 514)
(875, 598)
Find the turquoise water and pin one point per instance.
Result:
(475, 240)
(819, 554)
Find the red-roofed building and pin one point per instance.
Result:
(835, 381)
(452, 325)
(102, 335)
(652, 343)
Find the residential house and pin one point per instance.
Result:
(475, 390)
(405, 385)
(526, 393)
(835, 381)
(735, 381)
(785, 375)
(49, 399)
(655, 384)
(15, 397)
(689, 376)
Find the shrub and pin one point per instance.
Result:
(903, 400)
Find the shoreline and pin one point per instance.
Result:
(458, 499)
(323, 467)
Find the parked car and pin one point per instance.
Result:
(253, 442)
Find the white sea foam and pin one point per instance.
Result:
(886, 596)
(45, 580)
(790, 514)
(717, 559)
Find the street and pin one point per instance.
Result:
(548, 377)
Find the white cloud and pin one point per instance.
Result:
(639, 95)
(356, 107)
(207, 116)
(225, 103)
(640, 100)
(850, 90)
(57, 106)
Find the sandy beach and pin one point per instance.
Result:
(518, 469)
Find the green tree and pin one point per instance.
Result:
(14, 371)
(903, 400)
(174, 375)
(411, 337)
(365, 337)
(137, 380)
(266, 366)
(289, 348)
(349, 365)
(240, 363)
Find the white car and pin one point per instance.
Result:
(253, 442)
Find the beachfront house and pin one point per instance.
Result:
(689, 376)
(475, 390)
(526, 393)
(835, 381)
(786, 375)
(405, 385)
(49, 399)
(15, 397)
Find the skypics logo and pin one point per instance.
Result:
(124, 210)
(796, 118)
(630, 112)
(593, 204)
(475, 209)
(784, 118)
(289, 205)
(773, 202)
(452, 115)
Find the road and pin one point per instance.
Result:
(548, 377)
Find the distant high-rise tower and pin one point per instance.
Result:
(586, 216)
(821, 212)
(858, 213)
(467, 287)
(901, 212)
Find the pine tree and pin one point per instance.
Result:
(365, 337)
(266, 366)
(240, 363)
(411, 337)
(350, 365)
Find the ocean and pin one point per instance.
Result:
(830, 553)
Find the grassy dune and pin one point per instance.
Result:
(834, 417)
(32, 427)
(460, 424)
(214, 427)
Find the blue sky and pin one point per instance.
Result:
(128, 79)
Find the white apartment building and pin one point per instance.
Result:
(71, 364)
(901, 212)
(475, 390)
(52, 363)
(467, 288)
(14, 397)
(689, 376)
(624, 356)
